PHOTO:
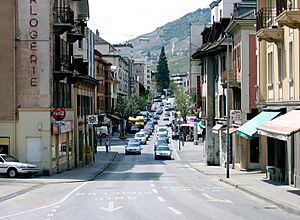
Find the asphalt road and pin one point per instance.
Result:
(139, 187)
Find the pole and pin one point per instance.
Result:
(228, 40)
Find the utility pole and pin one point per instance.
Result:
(228, 41)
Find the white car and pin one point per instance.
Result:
(162, 130)
(141, 137)
(12, 167)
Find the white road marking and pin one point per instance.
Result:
(50, 215)
(47, 206)
(161, 199)
(53, 210)
(175, 211)
(154, 191)
(152, 185)
(111, 207)
(212, 199)
(175, 152)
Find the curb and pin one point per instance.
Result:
(105, 168)
(41, 184)
(280, 205)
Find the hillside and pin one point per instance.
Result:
(174, 36)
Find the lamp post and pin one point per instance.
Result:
(228, 41)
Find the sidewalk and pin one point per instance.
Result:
(254, 182)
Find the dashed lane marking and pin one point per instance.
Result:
(160, 199)
(154, 191)
(175, 211)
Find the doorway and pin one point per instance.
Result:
(254, 153)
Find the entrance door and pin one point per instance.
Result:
(254, 153)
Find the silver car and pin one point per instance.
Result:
(133, 147)
(162, 151)
(12, 167)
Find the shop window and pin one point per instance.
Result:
(63, 149)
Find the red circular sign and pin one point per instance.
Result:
(58, 114)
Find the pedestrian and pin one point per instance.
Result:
(106, 145)
(181, 138)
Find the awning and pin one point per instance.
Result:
(216, 128)
(231, 130)
(248, 129)
(187, 125)
(114, 117)
(281, 127)
(201, 124)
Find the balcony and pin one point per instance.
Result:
(266, 26)
(63, 19)
(77, 32)
(62, 67)
(289, 17)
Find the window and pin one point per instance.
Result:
(291, 63)
(279, 64)
(270, 68)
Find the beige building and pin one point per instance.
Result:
(47, 78)
(278, 86)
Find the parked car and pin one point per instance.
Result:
(141, 137)
(133, 146)
(12, 167)
(162, 151)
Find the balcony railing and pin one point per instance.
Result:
(63, 15)
(265, 18)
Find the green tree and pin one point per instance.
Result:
(182, 103)
(162, 76)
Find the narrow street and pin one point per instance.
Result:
(139, 187)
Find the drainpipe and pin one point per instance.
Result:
(15, 38)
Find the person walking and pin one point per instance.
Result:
(106, 144)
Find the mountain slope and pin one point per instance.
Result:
(174, 36)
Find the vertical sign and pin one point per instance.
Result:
(34, 50)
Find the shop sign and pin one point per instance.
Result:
(61, 127)
(92, 119)
(235, 115)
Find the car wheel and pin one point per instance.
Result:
(12, 172)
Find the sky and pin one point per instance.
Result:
(120, 20)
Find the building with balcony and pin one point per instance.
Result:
(48, 82)
(278, 86)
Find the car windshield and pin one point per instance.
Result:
(140, 135)
(162, 148)
(133, 144)
(159, 142)
(9, 158)
(163, 135)
(162, 130)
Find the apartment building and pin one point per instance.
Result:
(48, 79)
(278, 86)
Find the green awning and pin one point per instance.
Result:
(248, 129)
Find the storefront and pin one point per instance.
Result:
(283, 147)
(250, 144)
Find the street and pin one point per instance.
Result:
(139, 187)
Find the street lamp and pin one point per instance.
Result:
(228, 41)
